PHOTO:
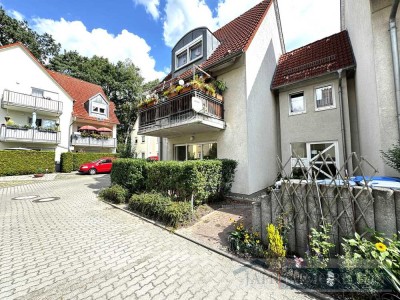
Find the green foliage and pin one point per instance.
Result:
(318, 254)
(245, 241)
(228, 175)
(220, 86)
(71, 161)
(161, 208)
(392, 157)
(25, 162)
(378, 258)
(276, 248)
(115, 194)
(126, 149)
(12, 31)
(130, 174)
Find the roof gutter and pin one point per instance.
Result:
(395, 57)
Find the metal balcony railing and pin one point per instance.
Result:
(16, 99)
(179, 110)
(8, 134)
(77, 140)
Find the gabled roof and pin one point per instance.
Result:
(235, 37)
(313, 60)
(81, 91)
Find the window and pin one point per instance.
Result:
(98, 106)
(324, 97)
(143, 155)
(143, 138)
(296, 103)
(43, 123)
(189, 53)
(37, 92)
(136, 140)
(195, 151)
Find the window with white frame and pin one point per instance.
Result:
(296, 103)
(195, 151)
(143, 138)
(99, 106)
(189, 53)
(37, 92)
(324, 97)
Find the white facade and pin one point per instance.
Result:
(26, 78)
(144, 146)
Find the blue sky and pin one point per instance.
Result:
(145, 30)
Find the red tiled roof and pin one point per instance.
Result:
(318, 58)
(81, 91)
(235, 37)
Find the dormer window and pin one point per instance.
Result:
(98, 107)
(189, 53)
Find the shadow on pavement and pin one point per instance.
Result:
(100, 181)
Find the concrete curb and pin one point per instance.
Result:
(243, 262)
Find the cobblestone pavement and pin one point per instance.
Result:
(77, 247)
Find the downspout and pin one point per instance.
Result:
(342, 125)
(395, 57)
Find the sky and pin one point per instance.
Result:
(146, 30)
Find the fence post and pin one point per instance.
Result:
(266, 211)
(385, 212)
(364, 209)
(397, 204)
(256, 216)
(300, 222)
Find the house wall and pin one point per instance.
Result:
(150, 147)
(262, 143)
(19, 73)
(313, 125)
(367, 23)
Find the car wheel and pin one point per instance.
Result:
(92, 171)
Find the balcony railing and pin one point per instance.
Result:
(8, 134)
(77, 140)
(15, 99)
(190, 107)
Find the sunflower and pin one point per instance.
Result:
(381, 247)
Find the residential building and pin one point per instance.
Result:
(243, 126)
(377, 102)
(144, 146)
(315, 100)
(38, 107)
(91, 108)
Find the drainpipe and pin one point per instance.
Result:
(342, 125)
(395, 56)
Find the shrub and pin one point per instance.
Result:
(130, 174)
(115, 194)
(161, 208)
(320, 245)
(67, 162)
(392, 157)
(228, 175)
(25, 162)
(244, 241)
(71, 161)
(165, 177)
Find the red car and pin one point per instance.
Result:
(102, 165)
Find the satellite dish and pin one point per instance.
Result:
(197, 104)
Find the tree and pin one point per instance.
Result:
(42, 46)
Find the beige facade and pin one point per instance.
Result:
(367, 23)
(144, 146)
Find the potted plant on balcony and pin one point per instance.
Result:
(220, 88)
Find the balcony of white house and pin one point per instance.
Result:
(88, 141)
(189, 113)
(29, 135)
(24, 102)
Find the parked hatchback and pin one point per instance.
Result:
(102, 165)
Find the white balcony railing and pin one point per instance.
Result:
(77, 140)
(15, 99)
(8, 134)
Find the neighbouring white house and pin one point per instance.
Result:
(37, 108)
(242, 126)
(372, 27)
(316, 104)
(45, 110)
(94, 123)
(144, 146)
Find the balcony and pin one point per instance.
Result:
(190, 113)
(77, 140)
(8, 134)
(24, 102)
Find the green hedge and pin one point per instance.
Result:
(71, 161)
(115, 194)
(204, 179)
(25, 162)
(161, 208)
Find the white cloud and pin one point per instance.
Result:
(309, 20)
(182, 16)
(73, 35)
(15, 14)
(151, 7)
(228, 10)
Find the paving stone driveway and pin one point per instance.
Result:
(77, 247)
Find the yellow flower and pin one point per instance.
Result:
(257, 241)
(381, 247)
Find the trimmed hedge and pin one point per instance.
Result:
(71, 161)
(205, 179)
(115, 194)
(25, 162)
(161, 208)
(129, 173)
